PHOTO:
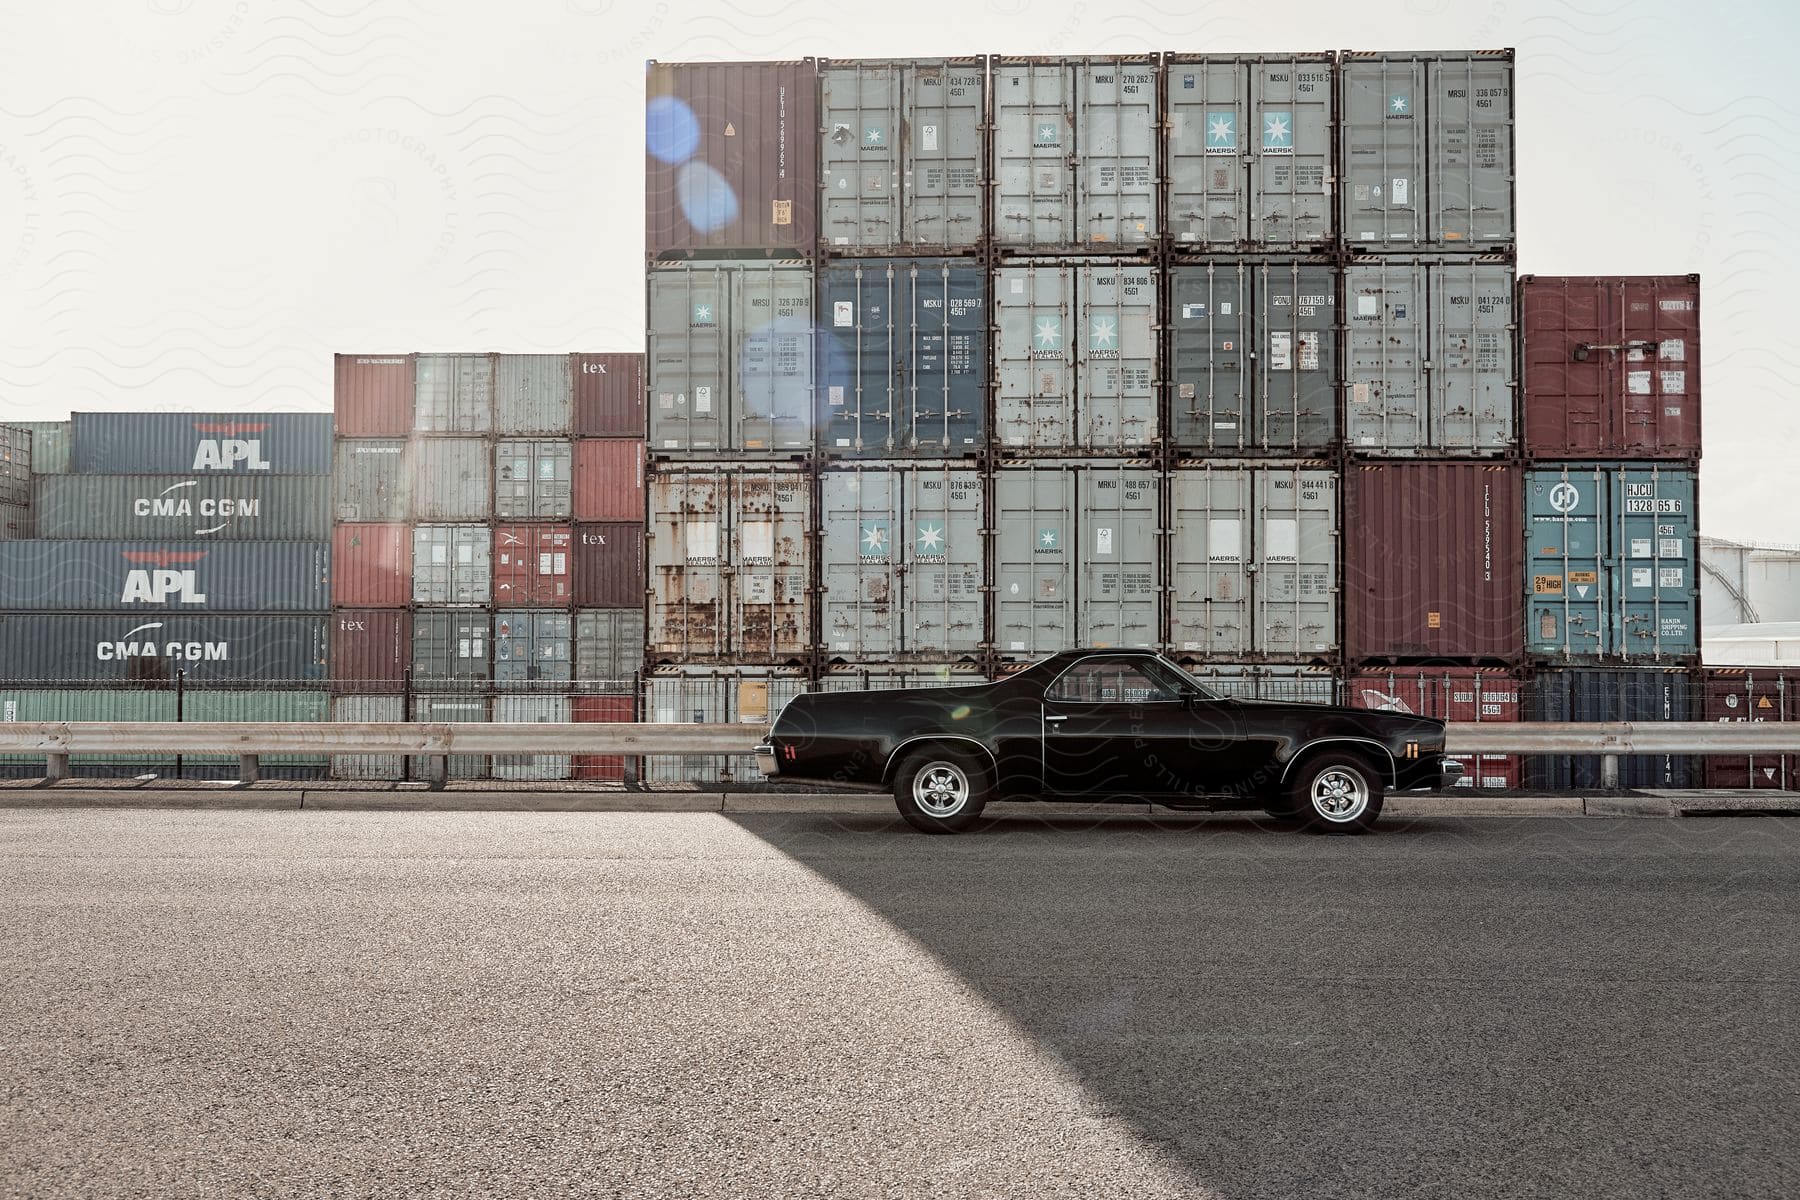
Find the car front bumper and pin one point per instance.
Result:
(1450, 773)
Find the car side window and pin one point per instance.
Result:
(1108, 681)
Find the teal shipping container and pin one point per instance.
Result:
(1610, 563)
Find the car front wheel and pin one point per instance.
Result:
(941, 791)
(1335, 793)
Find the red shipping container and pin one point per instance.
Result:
(609, 565)
(370, 650)
(371, 566)
(605, 768)
(532, 566)
(1612, 366)
(1433, 562)
(731, 157)
(609, 479)
(1450, 694)
(609, 395)
(1752, 694)
(372, 395)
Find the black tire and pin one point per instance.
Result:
(941, 790)
(1335, 792)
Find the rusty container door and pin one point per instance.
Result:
(372, 395)
(1752, 694)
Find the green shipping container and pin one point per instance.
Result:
(66, 704)
(50, 442)
(285, 708)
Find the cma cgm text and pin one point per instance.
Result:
(166, 506)
(186, 651)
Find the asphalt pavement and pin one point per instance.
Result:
(280, 1003)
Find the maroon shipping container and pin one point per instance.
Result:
(372, 395)
(609, 479)
(609, 565)
(1753, 694)
(532, 566)
(370, 650)
(731, 157)
(371, 566)
(606, 768)
(1450, 694)
(1432, 562)
(609, 395)
(1612, 366)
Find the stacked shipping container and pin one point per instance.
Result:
(179, 571)
(489, 507)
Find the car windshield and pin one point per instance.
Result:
(1187, 682)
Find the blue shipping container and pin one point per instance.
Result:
(164, 577)
(1611, 572)
(159, 443)
(904, 358)
(1588, 694)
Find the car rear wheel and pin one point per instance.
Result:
(1335, 793)
(941, 791)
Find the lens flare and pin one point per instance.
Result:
(707, 200)
(671, 131)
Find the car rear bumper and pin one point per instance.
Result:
(765, 760)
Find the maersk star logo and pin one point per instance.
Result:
(1049, 333)
(931, 539)
(1399, 105)
(703, 314)
(1104, 335)
(1048, 134)
(1221, 130)
(1047, 538)
(875, 539)
(1278, 131)
(873, 136)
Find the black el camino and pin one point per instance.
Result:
(1105, 725)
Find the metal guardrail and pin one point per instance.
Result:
(57, 740)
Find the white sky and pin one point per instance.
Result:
(200, 200)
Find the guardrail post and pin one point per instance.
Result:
(1609, 771)
(437, 770)
(56, 767)
(247, 768)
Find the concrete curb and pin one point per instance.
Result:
(343, 799)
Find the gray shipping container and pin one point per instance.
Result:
(1075, 154)
(552, 710)
(532, 649)
(1427, 151)
(729, 564)
(372, 481)
(453, 564)
(263, 507)
(451, 479)
(746, 696)
(888, 677)
(1251, 142)
(609, 649)
(533, 393)
(15, 522)
(1253, 562)
(1253, 355)
(730, 357)
(1429, 364)
(50, 445)
(451, 647)
(149, 649)
(1077, 556)
(903, 156)
(15, 465)
(1076, 355)
(1268, 681)
(359, 710)
(152, 577)
(455, 709)
(902, 562)
(165, 443)
(532, 479)
(453, 393)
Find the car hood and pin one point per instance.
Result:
(1380, 718)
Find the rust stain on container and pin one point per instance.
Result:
(731, 157)
(370, 649)
(609, 479)
(371, 566)
(1611, 366)
(1433, 538)
(533, 566)
(372, 395)
(609, 395)
(609, 564)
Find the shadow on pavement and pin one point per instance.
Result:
(1445, 1007)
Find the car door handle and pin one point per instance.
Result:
(1056, 718)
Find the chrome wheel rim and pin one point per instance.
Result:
(1340, 794)
(940, 789)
